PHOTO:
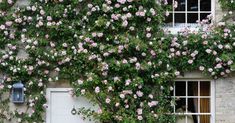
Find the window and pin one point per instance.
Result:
(194, 101)
(187, 12)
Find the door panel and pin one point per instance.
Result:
(60, 105)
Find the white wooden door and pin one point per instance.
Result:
(60, 105)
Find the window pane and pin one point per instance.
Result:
(181, 5)
(195, 119)
(192, 105)
(205, 5)
(192, 119)
(192, 5)
(204, 105)
(169, 2)
(181, 119)
(180, 105)
(204, 88)
(180, 88)
(179, 19)
(169, 20)
(204, 16)
(192, 88)
(205, 119)
(192, 17)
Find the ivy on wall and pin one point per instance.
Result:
(114, 52)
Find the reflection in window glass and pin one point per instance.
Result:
(192, 17)
(181, 5)
(205, 5)
(192, 5)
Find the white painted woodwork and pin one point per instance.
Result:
(60, 104)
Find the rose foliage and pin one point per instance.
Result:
(114, 52)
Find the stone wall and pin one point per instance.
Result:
(225, 100)
(224, 87)
(218, 13)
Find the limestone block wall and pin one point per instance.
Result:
(225, 100)
(218, 13)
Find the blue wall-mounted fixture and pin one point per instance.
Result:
(18, 93)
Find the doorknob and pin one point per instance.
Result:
(73, 111)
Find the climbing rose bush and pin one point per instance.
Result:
(114, 52)
(227, 4)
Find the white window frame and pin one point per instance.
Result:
(211, 97)
(174, 29)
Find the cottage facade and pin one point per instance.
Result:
(211, 103)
